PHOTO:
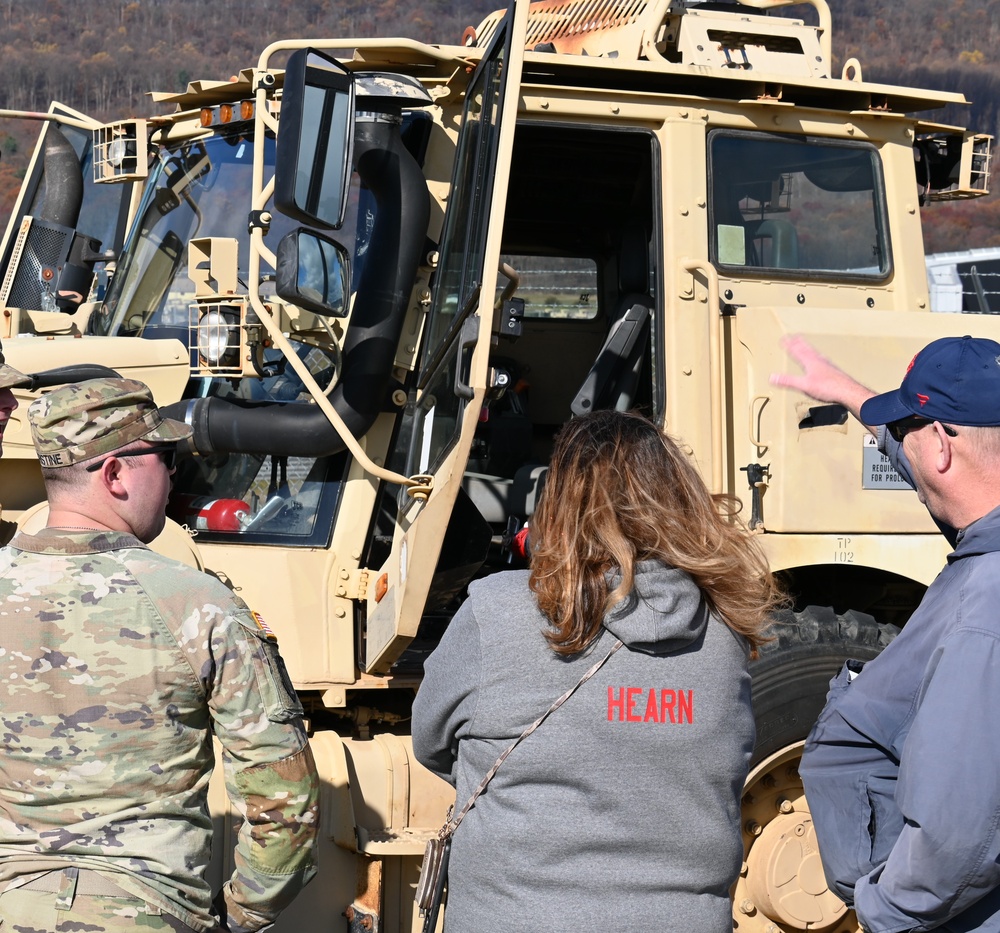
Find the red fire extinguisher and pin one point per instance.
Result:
(202, 513)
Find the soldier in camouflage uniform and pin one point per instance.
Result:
(10, 378)
(117, 667)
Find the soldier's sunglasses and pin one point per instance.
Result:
(899, 429)
(167, 452)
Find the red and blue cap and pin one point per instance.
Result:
(954, 380)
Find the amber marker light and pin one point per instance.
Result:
(206, 116)
(246, 109)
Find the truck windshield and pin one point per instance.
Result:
(797, 207)
(198, 189)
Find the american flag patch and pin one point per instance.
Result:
(263, 626)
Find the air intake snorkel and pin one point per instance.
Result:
(394, 250)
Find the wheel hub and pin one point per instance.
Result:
(782, 887)
(785, 876)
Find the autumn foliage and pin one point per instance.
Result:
(102, 58)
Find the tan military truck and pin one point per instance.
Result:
(582, 205)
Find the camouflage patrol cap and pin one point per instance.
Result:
(82, 421)
(9, 377)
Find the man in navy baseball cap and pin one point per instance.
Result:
(902, 732)
(954, 380)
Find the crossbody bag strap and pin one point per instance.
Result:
(452, 824)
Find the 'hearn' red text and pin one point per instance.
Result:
(641, 704)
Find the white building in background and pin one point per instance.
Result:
(965, 282)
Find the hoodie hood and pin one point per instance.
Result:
(664, 612)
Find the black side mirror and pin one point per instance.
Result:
(313, 272)
(315, 140)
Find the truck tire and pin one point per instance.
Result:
(793, 672)
(781, 886)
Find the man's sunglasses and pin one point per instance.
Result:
(167, 452)
(899, 429)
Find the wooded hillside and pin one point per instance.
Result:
(950, 46)
(102, 56)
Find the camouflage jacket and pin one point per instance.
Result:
(117, 667)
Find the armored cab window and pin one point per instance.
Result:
(797, 207)
(557, 288)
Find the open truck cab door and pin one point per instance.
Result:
(453, 375)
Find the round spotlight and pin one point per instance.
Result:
(117, 151)
(216, 337)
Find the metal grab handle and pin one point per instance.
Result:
(755, 423)
(714, 359)
(466, 341)
(513, 281)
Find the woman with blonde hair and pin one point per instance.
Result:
(623, 808)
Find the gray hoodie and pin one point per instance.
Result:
(623, 809)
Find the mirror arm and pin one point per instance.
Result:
(281, 46)
(337, 352)
(262, 81)
(62, 119)
(265, 253)
(268, 257)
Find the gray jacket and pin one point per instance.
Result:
(623, 808)
(902, 769)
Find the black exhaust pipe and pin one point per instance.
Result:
(299, 429)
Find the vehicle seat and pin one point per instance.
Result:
(498, 498)
(784, 251)
(614, 377)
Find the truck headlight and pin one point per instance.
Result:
(117, 152)
(218, 337)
